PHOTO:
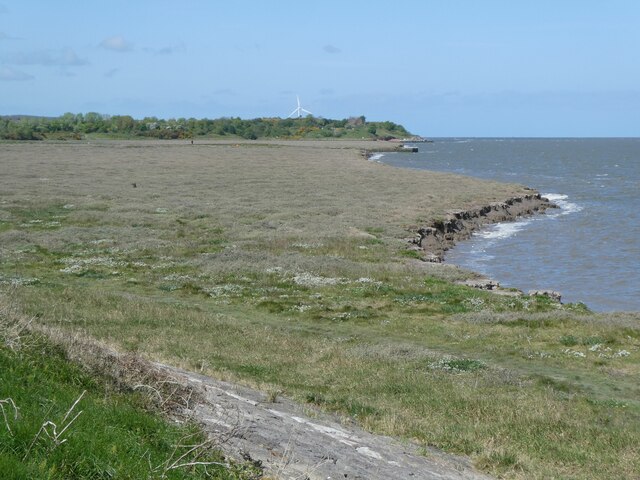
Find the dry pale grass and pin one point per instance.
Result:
(255, 192)
(283, 264)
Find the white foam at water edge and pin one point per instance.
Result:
(566, 207)
(553, 197)
(376, 157)
(502, 230)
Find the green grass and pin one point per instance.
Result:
(262, 265)
(114, 435)
(485, 389)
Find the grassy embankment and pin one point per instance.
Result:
(59, 422)
(284, 266)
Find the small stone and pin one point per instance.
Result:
(482, 284)
(552, 294)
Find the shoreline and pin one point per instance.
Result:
(435, 238)
(284, 268)
(441, 235)
(569, 249)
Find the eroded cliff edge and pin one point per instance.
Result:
(433, 240)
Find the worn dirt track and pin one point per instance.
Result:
(296, 442)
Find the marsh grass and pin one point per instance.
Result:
(285, 267)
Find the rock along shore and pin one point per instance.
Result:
(435, 239)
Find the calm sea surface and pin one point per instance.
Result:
(589, 249)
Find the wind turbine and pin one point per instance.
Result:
(298, 111)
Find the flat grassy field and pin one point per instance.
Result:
(283, 265)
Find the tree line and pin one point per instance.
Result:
(77, 126)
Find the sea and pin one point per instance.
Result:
(588, 249)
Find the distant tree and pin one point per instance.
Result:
(122, 123)
(356, 121)
(72, 125)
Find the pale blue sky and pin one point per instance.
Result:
(441, 68)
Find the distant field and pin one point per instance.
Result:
(284, 265)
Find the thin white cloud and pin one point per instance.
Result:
(224, 91)
(331, 49)
(6, 36)
(168, 50)
(180, 48)
(65, 57)
(111, 73)
(65, 72)
(9, 74)
(116, 43)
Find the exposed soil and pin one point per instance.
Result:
(436, 238)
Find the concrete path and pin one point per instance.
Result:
(292, 441)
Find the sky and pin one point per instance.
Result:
(530, 68)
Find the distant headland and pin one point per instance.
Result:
(72, 126)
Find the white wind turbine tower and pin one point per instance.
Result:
(298, 111)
